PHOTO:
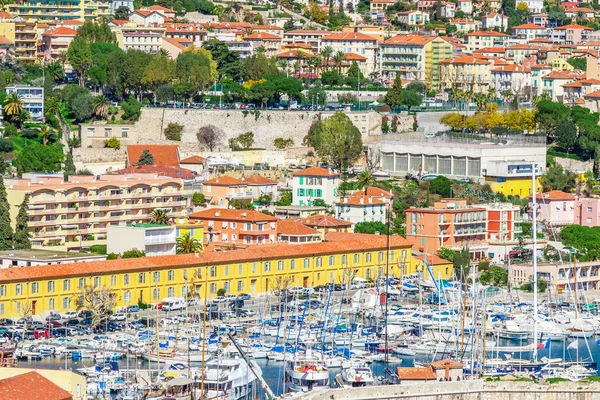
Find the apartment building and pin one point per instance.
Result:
(495, 20)
(309, 37)
(56, 41)
(513, 77)
(225, 226)
(152, 239)
(74, 215)
(571, 34)
(503, 222)
(314, 183)
(32, 10)
(380, 5)
(218, 191)
(511, 177)
(195, 34)
(481, 39)
(554, 209)
(271, 43)
(413, 18)
(26, 39)
(449, 223)
(354, 42)
(466, 73)
(527, 32)
(32, 97)
(466, 25)
(259, 185)
(295, 232)
(466, 6)
(147, 18)
(360, 208)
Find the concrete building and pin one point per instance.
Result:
(466, 73)
(56, 41)
(326, 224)
(512, 177)
(360, 208)
(147, 17)
(218, 191)
(527, 32)
(495, 20)
(466, 6)
(195, 34)
(447, 370)
(152, 239)
(33, 99)
(225, 227)
(380, 5)
(466, 25)
(32, 10)
(259, 185)
(314, 183)
(295, 232)
(513, 77)
(354, 42)
(560, 276)
(309, 37)
(534, 6)
(587, 211)
(116, 4)
(503, 222)
(481, 39)
(413, 18)
(76, 214)
(31, 257)
(570, 34)
(555, 208)
(449, 223)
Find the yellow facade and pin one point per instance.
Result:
(442, 269)
(513, 187)
(70, 381)
(150, 279)
(196, 231)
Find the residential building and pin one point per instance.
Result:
(326, 224)
(534, 6)
(513, 77)
(218, 191)
(466, 73)
(195, 34)
(555, 208)
(295, 232)
(481, 39)
(309, 37)
(466, 6)
(466, 25)
(26, 39)
(195, 229)
(259, 185)
(380, 5)
(553, 83)
(560, 276)
(171, 172)
(194, 163)
(495, 21)
(285, 212)
(147, 18)
(414, 375)
(587, 211)
(415, 58)
(540, 19)
(449, 223)
(575, 92)
(354, 42)
(442, 269)
(150, 279)
(32, 10)
(448, 9)
(570, 34)
(271, 43)
(522, 53)
(74, 215)
(537, 72)
(116, 4)
(30, 257)
(152, 239)
(377, 193)
(56, 41)
(149, 42)
(575, 12)
(503, 222)
(314, 183)
(360, 208)
(413, 18)
(527, 32)
(168, 13)
(243, 48)
(225, 226)
(32, 97)
(37, 379)
(511, 177)
(7, 48)
(164, 155)
(31, 385)
(174, 47)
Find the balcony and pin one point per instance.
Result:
(235, 196)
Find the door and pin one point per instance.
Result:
(305, 282)
(141, 298)
(33, 304)
(253, 287)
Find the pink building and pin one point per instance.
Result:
(587, 211)
(555, 208)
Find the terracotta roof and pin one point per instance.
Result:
(228, 214)
(541, 66)
(60, 31)
(409, 40)
(487, 33)
(593, 95)
(354, 57)
(160, 170)
(193, 160)
(223, 181)
(555, 195)
(5, 15)
(511, 68)
(265, 252)
(307, 32)
(540, 40)
(582, 82)
(177, 42)
(297, 45)
(561, 75)
(441, 364)
(463, 21)
(259, 180)
(465, 60)
(325, 221)
(294, 54)
(356, 36)
(261, 36)
(495, 50)
(315, 171)
(375, 192)
(579, 9)
(360, 200)
(294, 227)
(416, 374)
(160, 8)
(30, 386)
(572, 26)
(5, 41)
(145, 13)
(164, 154)
(120, 21)
(529, 26)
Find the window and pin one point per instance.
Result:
(344, 259)
(234, 225)
(156, 293)
(241, 269)
(589, 209)
(51, 286)
(380, 256)
(97, 281)
(319, 261)
(267, 266)
(356, 258)
(127, 296)
(113, 280)
(368, 273)
(126, 279)
(253, 268)
(142, 278)
(301, 192)
(226, 287)
(240, 286)
(213, 272)
(227, 270)
(2, 290)
(213, 288)
(81, 283)
(280, 265)
(185, 274)
(369, 257)
(156, 277)
(67, 285)
(184, 291)
(293, 264)
(403, 254)
(306, 263)
(66, 303)
(50, 305)
(171, 275)
(331, 260)
(170, 292)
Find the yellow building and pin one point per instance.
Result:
(513, 187)
(32, 10)
(442, 269)
(255, 270)
(467, 73)
(70, 381)
(196, 230)
(23, 34)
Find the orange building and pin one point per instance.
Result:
(503, 222)
(449, 223)
(219, 191)
(224, 226)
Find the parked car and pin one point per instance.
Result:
(192, 302)
(71, 322)
(42, 333)
(85, 314)
(244, 296)
(220, 299)
(37, 325)
(132, 309)
(246, 313)
(6, 322)
(53, 317)
(54, 324)
(118, 317)
(70, 314)
(87, 321)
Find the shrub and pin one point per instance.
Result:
(98, 248)
(112, 143)
(112, 256)
(173, 131)
(221, 292)
(132, 109)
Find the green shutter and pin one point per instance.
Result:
(302, 180)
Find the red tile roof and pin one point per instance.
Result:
(555, 195)
(409, 40)
(441, 364)
(259, 180)
(466, 60)
(224, 181)
(572, 26)
(261, 36)
(375, 192)
(529, 26)
(294, 228)
(294, 54)
(193, 160)
(5, 41)
(231, 215)
(562, 75)
(416, 374)
(160, 170)
(307, 32)
(164, 154)
(146, 13)
(433, 259)
(31, 386)
(60, 31)
(354, 36)
(361, 200)
(161, 8)
(315, 171)
(593, 95)
(487, 33)
(325, 221)
(5, 15)
(354, 57)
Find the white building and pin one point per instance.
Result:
(154, 240)
(32, 257)
(116, 4)
(465, 6)
(360, 208)
(534, 6)
(32, 97)
(147, 17)
(314, 183)
(495, 20)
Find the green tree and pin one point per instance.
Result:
(159, 71)
(494, 275)
(245, 140)
(462, 264)
(82, 107)
(122, 13)
(196, 66)
(133, 254)
(282, 143)
(365, 180)
(410, 99)
(371, 228)
(13, 105)
(446, 253)
(316, 95)
(442, 186)
(39, 158)
(21, 237)
(566, 134)
(159, 216)
(45, 132)
(578, 63)
(79, 55)
(164, 93)
(227, 61)
(417, 86)
(132, 109)
(548, 115)
(6, 232)
(188, 245)
(556, 178)
(257, 66)
(264, 199)
(173, 131)
(241, 204)
(69, 165)
(198, 199)
(101, 104)
(393, 97)
(55, 72)
(336, 140)
(95, 33)
(285, 199)
(146, 158)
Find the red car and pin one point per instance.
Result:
(39, 333)
(54, 324)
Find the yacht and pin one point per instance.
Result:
(307, 371)
(228, 379)
(355, 375)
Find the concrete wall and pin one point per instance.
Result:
(466, 390)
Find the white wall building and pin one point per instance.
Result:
(314, 183)
(360, 208)
(154, 240)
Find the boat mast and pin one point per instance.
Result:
(535, 278)
(387, 282)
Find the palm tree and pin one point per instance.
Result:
(365, 180)
(311, 63)
(159, 216)
(187, 244)
(45, 133)
(13, 105)
(55, 71)
(318, 65)
(326, 53)
(296, 68)
(101, 104)
(20, 118)
(338, 58)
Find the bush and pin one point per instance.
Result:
(173, 131)
(112, 143)
(52, 121)
(133, 254)
(142, 305)
(6, 146)
(29, 133)
(10, 130)
(221, 292)
(112, 256)
(132, 109)
(98, 249)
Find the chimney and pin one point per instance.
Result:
(362, 200)
(370, 199)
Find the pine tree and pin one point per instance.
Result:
(21, 238)
(6, 233)
(394, 95)
(146, 158)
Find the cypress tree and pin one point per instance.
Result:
(6, 233)
(21, 239)
(69, 166)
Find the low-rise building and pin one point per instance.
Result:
(466, 25)
(218, 191)
(32, 97)
(527, 32)
(147, 17)
(298, 211)
(295, 232)
(314, 183)
(513, 77)
(534, 6)
(326, 224)
(152, 239)
(555, 208)
(587, 211)
(560, 276)
(56, 41)
(354, 42)
(32, 385)
(511, 177)
(32, 257)
(380, 5)
(413, 18)
(260, 185)
(481, 39)
(466, 6)
(503, 222)
(495, 20)
(570, 34)
(360, 208)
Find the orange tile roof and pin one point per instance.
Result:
(416, 374)
(315, 171)
(5, 15)
(307, 32)
(60, 31)
(360, 200)
(579, 9)
(224, 181)
(487, 33)
(555, 195)
(354, 57)
(259, 180)
(529, 26)
(325, 221)
(495, 50)
(433, 259)
(160, 170)
(120, 21)
(161, 8)
(258, 253)
(177, 42)
(409, 39)
(541, 66)
(562, 75)
(462, 21)
(376, 192)
(573, 26)
(593, 95)
(466, 60)
(355, 36)
(30, 386)
(193, 160)
(441, 364)
(294, 227)
(5, 41)
(297, 45)
(294, 54)
(164, 154)
(511, 68)
(228, 214)
(261, 36)
(145, 13)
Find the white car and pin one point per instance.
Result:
(70, 314)
(295, 290)
(221, 299)
(118, 317)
